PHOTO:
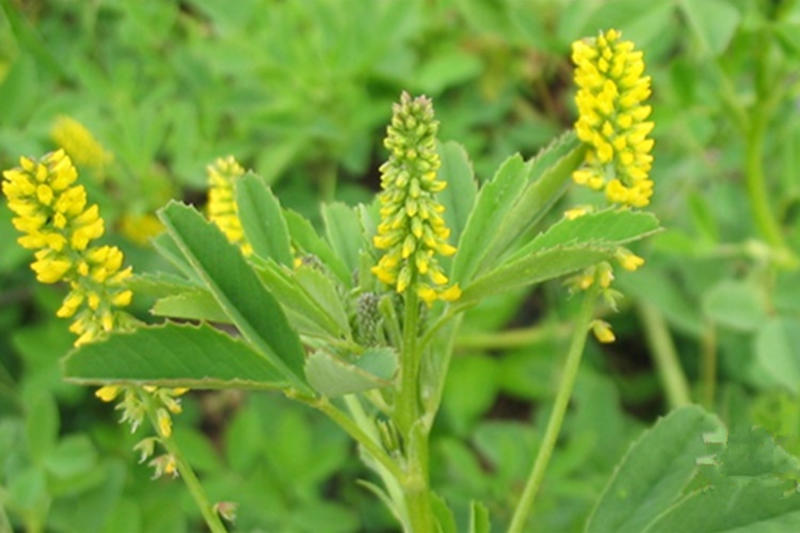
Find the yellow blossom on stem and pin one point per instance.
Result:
(164, 423)
(53, 216)
(628, 260)
(612, 118)
(412, 231)
(79, 143)
(602, 331)
(108, 393)
(222, 209)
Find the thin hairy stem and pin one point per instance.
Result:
(567, 382)
(665, 356)
(199, 496)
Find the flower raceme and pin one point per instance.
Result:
(52, 213)
(79, 143)
(612, 118)
(222, 209)
(412, 231)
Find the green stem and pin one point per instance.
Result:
(210, 516)
(327, 184)
(407, 417)
(568, 375)
(663, 351)
(407, 409)
(415, 485)
(5, 523)
(351, 428)
(511, 338)
(755, 180)
(708, 364)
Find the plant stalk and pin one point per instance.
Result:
(407, 413)
(663, 351)
(708, 364)
(407, 409)
(352, 429)
(210, 516)
(567, 382)
(511, 338)
(755, 180)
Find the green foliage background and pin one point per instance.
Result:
(300, 92)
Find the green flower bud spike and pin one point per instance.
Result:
(412, 231)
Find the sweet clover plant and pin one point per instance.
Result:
(357, 323)
(359, 319)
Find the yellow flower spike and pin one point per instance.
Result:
(53, 215)
(602, 331)
(222, 209)
(628, 260)
(79, 143)
(107, 393)
(412, 232)
(164, 423)
(612, 118)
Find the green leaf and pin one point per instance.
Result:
(749, 486)
(459, 195)
(343, 231)
(323, 292)
(777, 348)
(194, 304)
(654, 472)
(172, 355)
(534, 268)
(548, 178)
(734, 304)
(166, 247)
(237, 288)
(494, 201)
(73, 455)
(306, 314)
(746, 505)
(610, 227)
(159, 284)
(479, 518)
(445, 69)
(41, 425)
(567, 246)
(445, 519)
(332, 376)
(262, 219)
(714, 22)
(307, 241)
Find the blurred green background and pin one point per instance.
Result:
(300, 91)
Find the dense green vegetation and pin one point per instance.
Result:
(300, 91)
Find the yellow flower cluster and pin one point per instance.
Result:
(412, 230)
(140, 228)
(612, 118)
(222, 209)
(79, 143)
(53, 216)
